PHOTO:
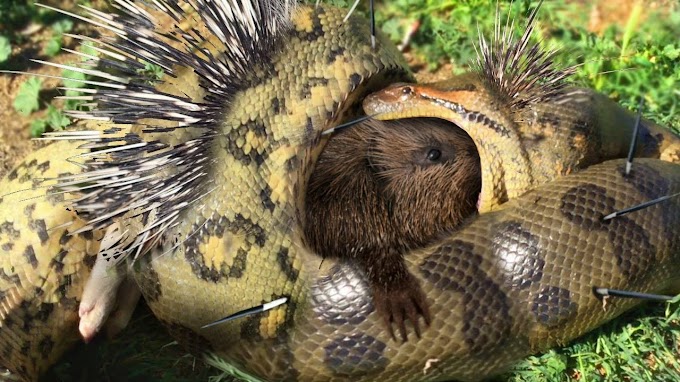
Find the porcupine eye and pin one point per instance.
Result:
(423, 157)
(434, 155)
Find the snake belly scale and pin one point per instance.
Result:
(509, 283)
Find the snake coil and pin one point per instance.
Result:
(199, 181)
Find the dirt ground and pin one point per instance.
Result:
(15, 140)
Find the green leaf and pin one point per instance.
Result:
(56, 118)
(38, 127)
(86, 47)
(70, 75)
(671, 51)
(26, 100)
(52, 47)
(5, 49)
(62, 26)
(72, 80)
(153, 73)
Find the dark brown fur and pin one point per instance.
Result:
(374, 195)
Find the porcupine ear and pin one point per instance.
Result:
(521, 73)
(131, 174)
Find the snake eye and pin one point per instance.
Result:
(406, 90)
(433, 155)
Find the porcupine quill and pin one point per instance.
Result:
(526, 75)
(629, 166)
(247, 312)
(634, 138)
(639, 206)
(371, 12)
(147, 181)
(515, 71)
(346, 125)
(606, 292)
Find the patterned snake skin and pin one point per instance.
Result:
(508, 284)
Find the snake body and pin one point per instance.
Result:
(508, 284)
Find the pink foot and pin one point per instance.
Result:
(128, 296)
(99, 297)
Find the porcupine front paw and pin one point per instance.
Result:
(398, 302)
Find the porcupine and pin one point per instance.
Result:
(355, 325)
(380, 190)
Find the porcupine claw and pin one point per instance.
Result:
(397, 304)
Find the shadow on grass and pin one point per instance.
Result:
(144, 351)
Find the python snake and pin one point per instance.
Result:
(510, 283)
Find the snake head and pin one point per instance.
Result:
(394, 101)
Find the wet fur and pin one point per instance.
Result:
(374, 195)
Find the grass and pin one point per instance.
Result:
(142, 352)
(639, 346)
(638, 58)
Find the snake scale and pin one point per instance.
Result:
(509, 283)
